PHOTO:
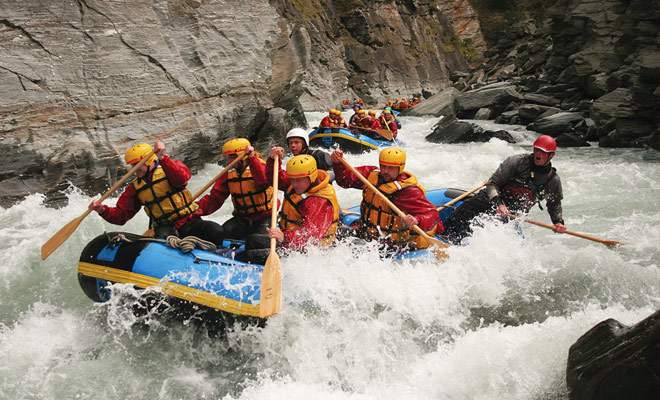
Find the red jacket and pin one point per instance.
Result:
(220, 191)
(325, 122)
(129, 204)
(317, 212)
(375, 123)
(410, 200)
(392, 124)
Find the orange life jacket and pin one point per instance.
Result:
(380, 220)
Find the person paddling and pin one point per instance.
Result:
(297, 139)
(377, 219)
(519, 182)
(160, 187)
(251, 194)
(310, 211)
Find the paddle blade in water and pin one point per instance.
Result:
(270, 302)
(63, 234)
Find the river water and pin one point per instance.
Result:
(494, 321)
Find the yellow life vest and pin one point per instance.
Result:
(335, 123)
(380, 220)
(248, 197)
(290, 217)
(163, 203)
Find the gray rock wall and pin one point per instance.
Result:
(84, 80)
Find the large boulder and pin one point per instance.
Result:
(614, 362)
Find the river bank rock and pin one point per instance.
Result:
(594, 63)
(612, 361)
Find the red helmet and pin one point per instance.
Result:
(545, 143)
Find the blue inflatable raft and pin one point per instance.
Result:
(347, 140)
(437, 197)
(198, 278)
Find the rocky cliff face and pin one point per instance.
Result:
(83, 80)
(376, 50)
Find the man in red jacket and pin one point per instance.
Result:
(377, 219)
(387, 121)
(160, 187)
(251, 193)
(310, 212)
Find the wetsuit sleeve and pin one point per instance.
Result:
(554, 196)
(412, 200)
(177, 173)
(214, 200)
(127, 206)
(504, 173)
(345, 177)
(317, 214)
(323, 160)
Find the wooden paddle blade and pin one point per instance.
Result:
(385, 133)
(63, 234)
(270, 301)
(611, 243)
(437, 247)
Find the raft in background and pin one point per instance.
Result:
(347, 140)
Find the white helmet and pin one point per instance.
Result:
(299, 133)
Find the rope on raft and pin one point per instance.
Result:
(186, 244)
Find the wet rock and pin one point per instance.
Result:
(464, 132)
(612, 361)
(571, 140)
(556, 124)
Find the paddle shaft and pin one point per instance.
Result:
(391, 205)
(270, 300)
(63, 234)
(580, 235)
(461, 197)
(220, 174)
(273, 214)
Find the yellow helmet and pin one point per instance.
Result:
(235, 146)
(393, 157)
(302, 166)
(138, 152)
(372, 112)
(361, 111)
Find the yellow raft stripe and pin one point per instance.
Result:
(169, 288)
(352, 139)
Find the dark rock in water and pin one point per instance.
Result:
(570, 140)
(556, 124)
(530, 112)
(614, 362)
(465, 132)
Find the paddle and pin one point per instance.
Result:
(461, 197)
(63, 234)
(150, 231)
(440, 254)
(608, 243)
(382, 132)
(270, 301)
